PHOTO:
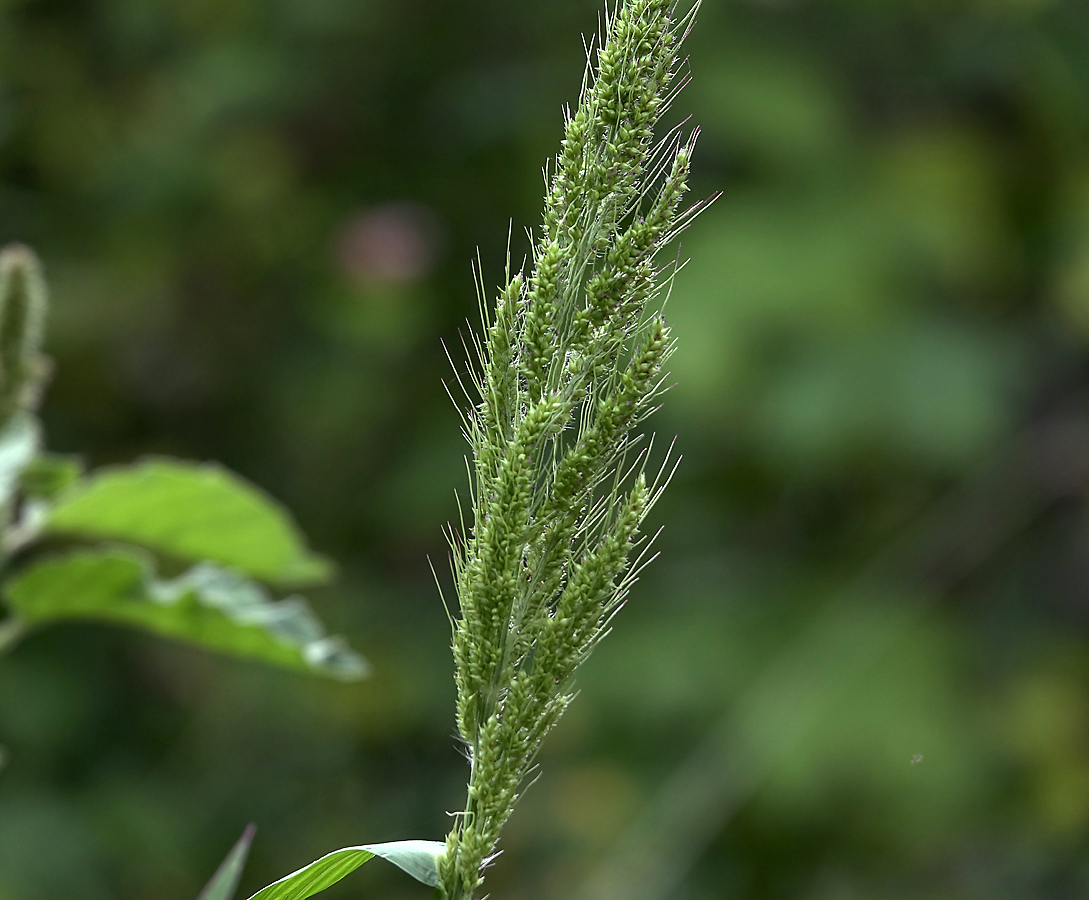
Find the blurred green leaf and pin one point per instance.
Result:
(225, 880)
(940, 186)
(210, 606)
(50, 474)
(20, 439)
(772, 107)
(194, 512)
(418, 858)
(923, 389)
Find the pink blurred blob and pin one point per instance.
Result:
(390, 244)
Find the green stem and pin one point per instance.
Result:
(463, 866)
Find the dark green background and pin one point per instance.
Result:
(863, 659)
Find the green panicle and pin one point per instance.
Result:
(571, 360)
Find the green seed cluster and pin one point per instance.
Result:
(571, 360)
(23, 369)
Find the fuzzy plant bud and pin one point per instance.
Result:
(23, 305)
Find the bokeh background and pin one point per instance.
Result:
(861, 666)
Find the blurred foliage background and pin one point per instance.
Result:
(861, 667)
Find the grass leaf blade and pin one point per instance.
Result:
(225, 880)
(418, 858)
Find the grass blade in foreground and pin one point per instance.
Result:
(225, 881)
(210, 606)
(418, 858)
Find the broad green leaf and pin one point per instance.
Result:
(207, 605)
(20, 439)
(419, 858)
(225, 881)
(197, 512)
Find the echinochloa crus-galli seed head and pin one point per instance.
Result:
(570, 360)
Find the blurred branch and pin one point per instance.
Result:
(1045, 464)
